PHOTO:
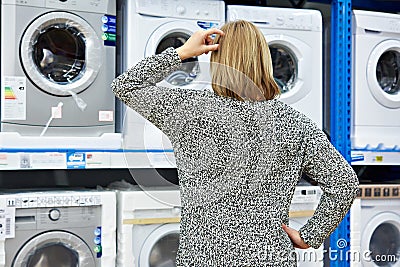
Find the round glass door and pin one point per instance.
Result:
(385, 245)
(291, 66)
(161, 247)
(380, 241)
(388, 72)
(284, 66)
(55, 248)
(163, 253)
(55, 254)
(194, 72)
(60, 53)
(189, 68)
(383, 73)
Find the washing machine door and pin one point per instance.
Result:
(60, 53)
(380, 241)
(289, 56)
(383, 73)
(56, 248)
(160, 247)
(174, 34)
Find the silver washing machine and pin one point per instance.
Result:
(57, 64)
(63, 229)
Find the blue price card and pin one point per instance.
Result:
(76, 160)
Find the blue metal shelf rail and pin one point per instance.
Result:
(340, 112)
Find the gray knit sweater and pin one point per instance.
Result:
(238, 164)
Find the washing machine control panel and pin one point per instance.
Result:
(57, 200)
(382, 191)
(97, 6)
(278, 18)
(200, 10)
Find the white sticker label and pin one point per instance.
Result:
(7, 218)
(13, 102)
(98, 159)
(49, 160)
(2, 224)
(106, 115)
(56, 112)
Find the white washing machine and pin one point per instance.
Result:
(375, 227)
(376, 82)
(65, 228)
(294, 37)
(148, 227)
(149, 28)
(57, 64)
(305, 201)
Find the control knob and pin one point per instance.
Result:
(54, 214)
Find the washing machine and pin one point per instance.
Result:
(149, 27)
(68, 228)
(294, 37)
(148, 227)
(305, 201)
(376, 83)
(375, 226)
(57, 64)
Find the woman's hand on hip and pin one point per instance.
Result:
(199, 43)
(294, 235)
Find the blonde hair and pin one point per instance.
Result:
(242, 65)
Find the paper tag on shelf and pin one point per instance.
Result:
(9, 161)
(47, 160)
(98, 160)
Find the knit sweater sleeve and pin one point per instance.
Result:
(137, 88)
(323, 163)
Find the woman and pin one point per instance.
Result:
(240, 153)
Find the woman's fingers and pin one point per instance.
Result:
(213, 31)
(200, 42)
(295, 237)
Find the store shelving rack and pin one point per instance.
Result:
(340, 83)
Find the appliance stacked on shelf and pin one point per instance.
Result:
(58, 228)
(375, 128)
(376, 83)
(148, 28)
(79, 227)
(56, 69)
(294, 37)
(148, 225)
(375, 226)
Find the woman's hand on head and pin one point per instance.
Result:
(294, 235)
(199, 43)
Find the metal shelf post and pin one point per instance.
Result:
(341, 55)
